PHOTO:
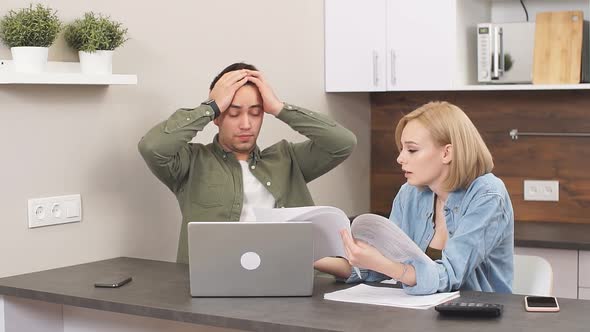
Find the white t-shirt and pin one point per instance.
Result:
(255, 194)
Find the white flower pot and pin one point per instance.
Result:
(96, 63)
(29, 59)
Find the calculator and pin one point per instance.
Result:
(470, 309)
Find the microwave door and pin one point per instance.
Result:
(518, 45)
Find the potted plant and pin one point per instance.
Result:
(95, 37)
(29, 32)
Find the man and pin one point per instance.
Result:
(224, 180)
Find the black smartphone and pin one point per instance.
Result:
(541, 303)
(113, 282)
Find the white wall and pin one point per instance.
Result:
(59, 140)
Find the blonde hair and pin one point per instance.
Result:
(448, 124)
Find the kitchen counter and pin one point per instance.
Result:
(161, 290)
(552, 235)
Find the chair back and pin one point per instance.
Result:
(533, 275)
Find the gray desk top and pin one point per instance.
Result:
(160, 290)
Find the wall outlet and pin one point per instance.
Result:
(537, 190)
(54, 210)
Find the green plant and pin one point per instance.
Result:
(95, 32)
(36, 26)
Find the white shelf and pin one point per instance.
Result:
(507, 87)
(504, 87)
(66, 73)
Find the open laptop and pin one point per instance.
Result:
(250, 258)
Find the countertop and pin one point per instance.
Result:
(552, 235)
(161, 290)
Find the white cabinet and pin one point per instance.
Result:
(381, 45)
(584, 269)
(355, 33)
(571, 270)
(565, 269)
(418, 45)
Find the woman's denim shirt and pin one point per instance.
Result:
(479, 252)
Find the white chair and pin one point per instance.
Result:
(533, 275)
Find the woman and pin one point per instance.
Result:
(452, 206)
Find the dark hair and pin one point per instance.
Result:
(232, 67)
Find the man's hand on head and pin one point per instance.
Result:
(270, 103)
(224, 90)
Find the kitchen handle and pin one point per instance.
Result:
(495, 55)
(393, 71)
(375, 68)
(502, 62)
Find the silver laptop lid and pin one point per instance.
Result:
(250, 259)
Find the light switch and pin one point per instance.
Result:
(72, 210)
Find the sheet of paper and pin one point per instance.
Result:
(388, 296)
(326, 221)
(294, 214)
(389, 239)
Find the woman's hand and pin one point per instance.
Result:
(361, 254)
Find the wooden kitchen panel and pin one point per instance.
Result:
(558, 47)
(495, 113)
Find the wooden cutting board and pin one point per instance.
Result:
(557, 57)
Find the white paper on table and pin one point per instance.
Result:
(388, 296)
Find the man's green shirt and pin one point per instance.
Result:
(207, 180)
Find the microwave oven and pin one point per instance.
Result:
(505, 52)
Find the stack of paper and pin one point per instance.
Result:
(393, 297)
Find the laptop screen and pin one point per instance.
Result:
(251, 259)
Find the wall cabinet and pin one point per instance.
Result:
(388, 45)
(400, 45)
(420, 52)
(355, 33)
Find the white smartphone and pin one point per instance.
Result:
(541, 303)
